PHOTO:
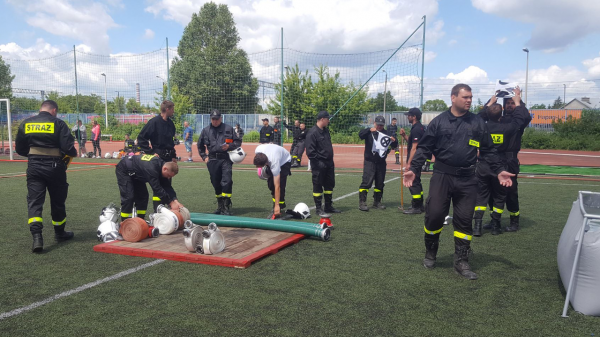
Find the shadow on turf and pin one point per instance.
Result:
(479, 260)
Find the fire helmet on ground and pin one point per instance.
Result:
(108, 231)
(108, 155)
(237, 155)
(302, 208)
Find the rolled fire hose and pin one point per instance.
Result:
(165, 223)
(164, 210)
(185, 213)
(134, 229)
(268, 224)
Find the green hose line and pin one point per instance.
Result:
(268, 224)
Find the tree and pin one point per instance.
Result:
(476, 107)
(435, 105)
(133, 106)
(297, 87)
(211, 70)
(390, 102)
(538, 106)
(558, 103)
(5, 80)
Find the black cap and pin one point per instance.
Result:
(414, 112)
(215, 114)
(379, 120)
(323, 114)
(265, 119)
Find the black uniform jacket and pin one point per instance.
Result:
(300, 135)
(504, 134)
(45, 131)
(515, 144)
(212, 138)
(454, 141)
(147, 168)
(318, 144)
(367, 135)
(266, 134)
(392, 130)
(160, 133)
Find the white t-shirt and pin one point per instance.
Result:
(277, 156)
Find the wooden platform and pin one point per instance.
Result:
(243, 246)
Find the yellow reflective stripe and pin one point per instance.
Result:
(363, 190)
(155, 199)
(317, 194)
(217, 196)
(294, 156)
(417, 196)
(429, 160)
(480, 208)
(141, 211)
(397, 152)
(125, 215)
(432, 232)
(473, 142)
(515, 213)
(463, 236)
(498, 210)
(34, 219)
(327, 192)
(376, 190)
(58, 223)
(282, 202)
(39, 128)
(226, 195)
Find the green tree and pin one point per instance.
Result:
(476, 107)
(133, 106)
(211, 69)
(25, 104)
(538, 106)
(390, 102)
(297, 87)
(558, 103)
(435, 105)
(5, 80)
(183, 105)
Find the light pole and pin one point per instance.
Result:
(105, 103)
(384, 93)
(564, 94)
(118, 102)
(163, 87)
(526, 74)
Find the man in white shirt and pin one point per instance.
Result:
(274, 163)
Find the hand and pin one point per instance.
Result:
(409, 177)
(504, 178)
(517, 97)
(373, 129)
(224, 147)
(393, 139)
(402, 132)
(494, 99)
(277, 211)
(406, 168)
(175, 205)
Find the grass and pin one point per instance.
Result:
(368, 280)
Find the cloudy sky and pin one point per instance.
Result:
(471, 41)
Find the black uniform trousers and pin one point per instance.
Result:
(323, 177)
(294, 143)
(462, 192)
(416, 190)
(512, 197)
(133, 193)
(46, 174)
(221, 176)
(489, 190)
(373, 172)
(298, 152)
(283, 174)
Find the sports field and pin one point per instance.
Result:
(368, 280)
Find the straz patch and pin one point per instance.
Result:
(39, 128)
(147, 157)
(473, 143)
(497, 138)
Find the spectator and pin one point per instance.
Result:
(96, 139)
(80, 136)
(188, 137)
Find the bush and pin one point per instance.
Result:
(534, 139)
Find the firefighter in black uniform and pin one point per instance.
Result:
(133, 172)
(47, 143)
(277, 131)
(299, 138)
(266, 132)
(416, 134)
(219, 138)
(129, 144)
(378, 143)
(454, 137)
(295, 129)
(320, 153)
(159, 133)
(489, 187)
(393, 131)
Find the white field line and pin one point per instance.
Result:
(560, 154)
(71, 168)
(355, 192)
(67, 293)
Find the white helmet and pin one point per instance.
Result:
(237, 155)
(264, 172)
(303, 210)
(115, 155)
(108, 231)
(109, 213)
(108, 155)
(83, 155)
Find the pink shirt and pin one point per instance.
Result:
(96, 132)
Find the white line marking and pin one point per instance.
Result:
(356, 192)
(560, 154)
(77, 290)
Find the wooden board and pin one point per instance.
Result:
(242, 247)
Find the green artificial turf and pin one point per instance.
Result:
(368, 280)
(560, 170)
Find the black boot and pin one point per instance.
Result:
(319, 206)
(477, 227)
(294, 163)
(514, 224)
(362, 201)
(461, 261)
(397, 159)
(488, 226)
(219, 209)
(377, 196)
(226, 210)
(432, 242)
(61, 235)
(329, 204)
(415, 208)
(38, 243)
(496, 228)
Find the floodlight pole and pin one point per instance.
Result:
(168, 74)
(282, 88)
(8, 123)
(526, 73)
(105, 103)
(384, 94)
(423, 62)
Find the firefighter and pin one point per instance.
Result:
(160, 132)
(129, 144)
(393, 131)
(489, 187)
(416, 133)
(299, 138)
(133, 172)
(219, 138)
(295, 130)
(277, 131)
(278, 161)
(266, 132)
(454, 138)
(47, 143)
(319, 151)
(378, 143)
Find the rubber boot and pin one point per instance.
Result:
(488, 226)
(514, 224)
(362, 201)
(294, 163)
(377, 196)
(461, 261)
(477, 227)
(397, 159)
(226, 210)
(319, 206)
(61, 235)
(329, 204)
(38, 243)
(415, 208)
(219, 209)
(432, 242)
(496, 228)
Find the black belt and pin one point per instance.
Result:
(164, 152)
(453, 170)
(508, 155)
(219, 155)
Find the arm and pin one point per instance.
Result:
(21, 142)
(425, 147)
(403, 134)
(144, 138)
(66, 141)
(201, 146)
(277, 183)
(364, 133)
(412, 153)
(310, 146)
(237, 141)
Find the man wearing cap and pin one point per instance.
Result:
(320, 153)
(378, 143)
(299, 138)
(219, 138)
(416, 133)
(393, 131)
(266, 132)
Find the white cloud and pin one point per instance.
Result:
(501, 40)
(593, 66)
(452, 42)
(557, 23)
(316, 25)
(472, 74)
(86, 21)
(41, 49)
(149, 34)
(430, 56)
